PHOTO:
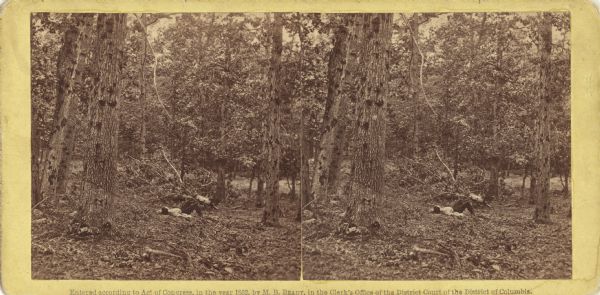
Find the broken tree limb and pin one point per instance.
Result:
(148, 252)
(154, 67)
(447, 168)
(427, 251)
(170, 164)
(412, 34)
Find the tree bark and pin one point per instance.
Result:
(143, 89)
(260, 191)
(58, 156)
(367, 179)
(36, 161)
(86, 40)
(332, 115)
(252, 175)
(532, 185)
(413, 75)
(493, 188)
(543, 145)
(523, 182)
(566, 187)
(345, 130)
(305, 187)
(293, 189)
(273, 144)
(220, 191)
(102, 150)
(337, 155)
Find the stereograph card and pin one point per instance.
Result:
(300, 147)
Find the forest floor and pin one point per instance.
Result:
(227, 243)
(501, 242)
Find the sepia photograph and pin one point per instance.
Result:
(441, 149)
(163, 146)
(281, 146)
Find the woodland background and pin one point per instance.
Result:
(349, 126)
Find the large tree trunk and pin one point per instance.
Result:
(345, 129)
(273, 144)
(102, 150)
(57, 160)
(542, 144)
(337, 156)
(85, 43)
(332, 116)
(367, 180)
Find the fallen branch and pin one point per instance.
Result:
(423, 250)
(170, 164)
(40, 202)
(148, 252)
(447, 168)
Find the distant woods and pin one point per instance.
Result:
(322, 101)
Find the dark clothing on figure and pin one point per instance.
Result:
(460, 206)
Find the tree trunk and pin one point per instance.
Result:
(493, 188)
(367, 179)
(293, 190)
(413, 75)
(36, 161)
(456, 153)
(305, 148)
(183, 159)
(346, 130)
(337, 156)
(143, 90)
(273, 143)
(220, 190)
(523, 182)
(85, 44)
(543, 145)
(252, 175)
(58, 156)
(305, 190)
(101, 154)
(260, 191)
(305, 193)
(532, 185)
(332, 116)
(566, 187)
